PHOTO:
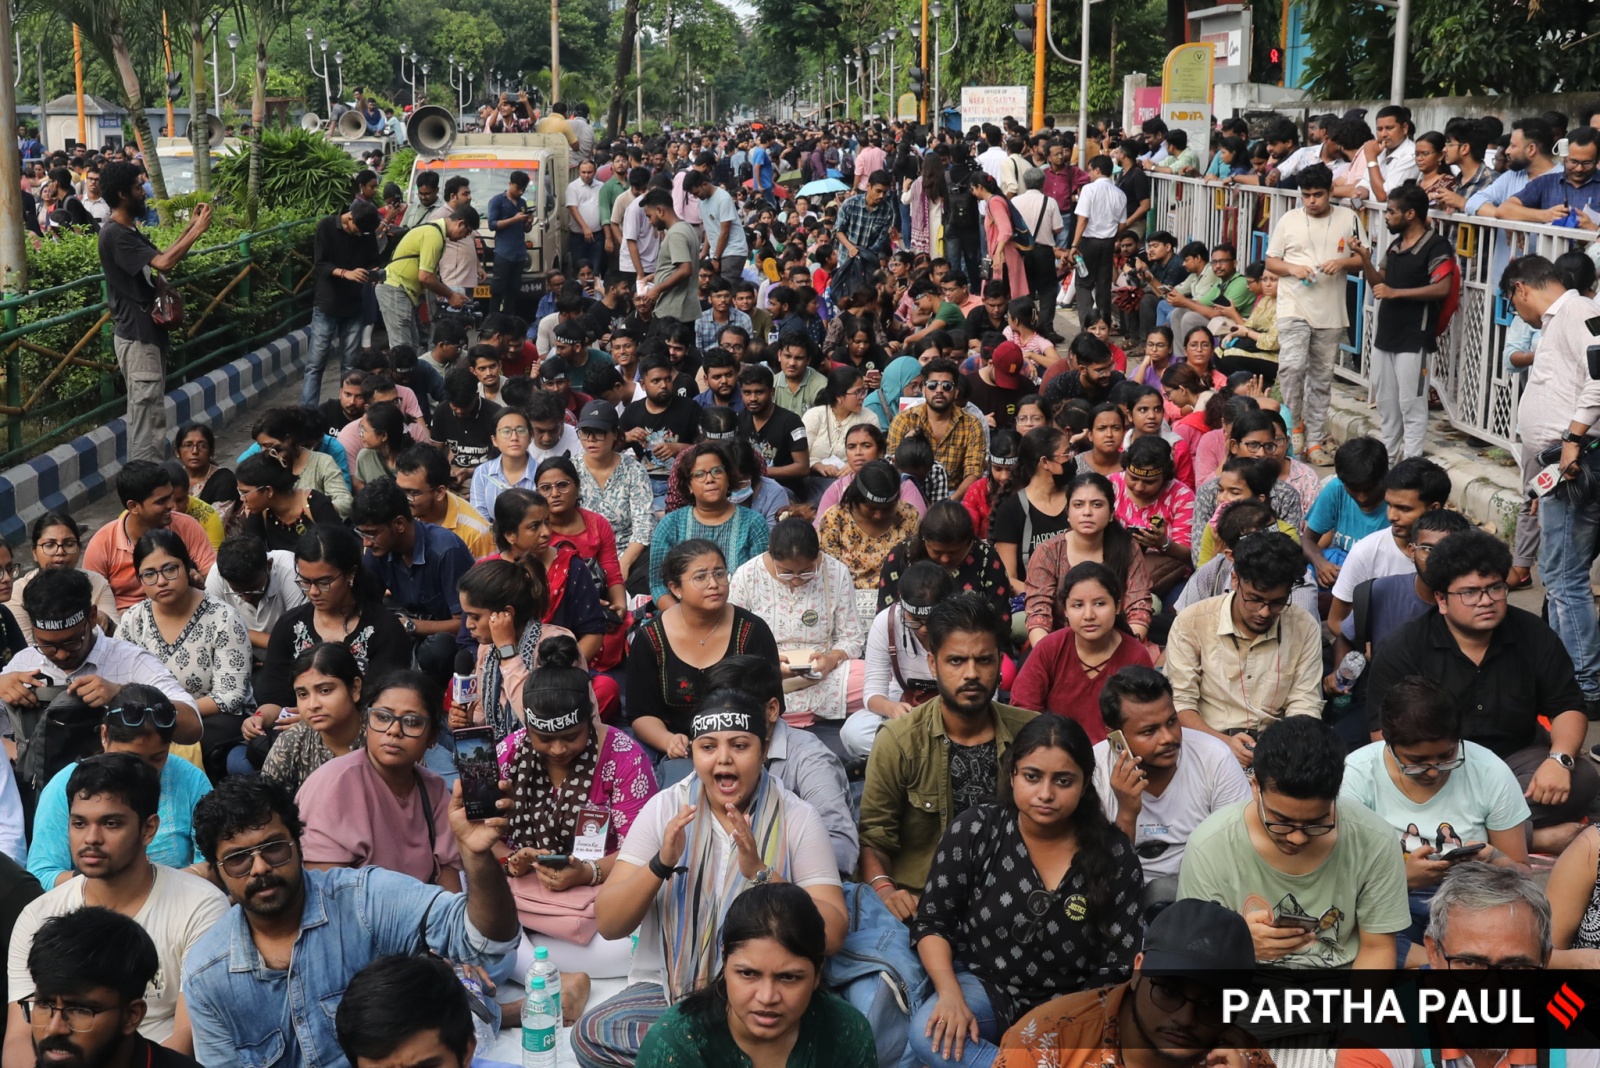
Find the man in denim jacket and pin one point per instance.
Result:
(262, 986)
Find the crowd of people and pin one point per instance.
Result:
(820, 603)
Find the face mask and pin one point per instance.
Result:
(1064, 477)
(739, 496)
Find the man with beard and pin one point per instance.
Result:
(1089, 374)
(1168, 1015)
(940, 758)
(263, 979)
(955, 433)
(90, 971)
(673, 293)
(132, 266)
(345, 251)
(114, 802)
(1529, 155)
(777, 433)
(348, 407)
(1165, 780)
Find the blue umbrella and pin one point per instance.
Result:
(822, 187)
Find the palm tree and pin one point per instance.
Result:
(265, 18)
(196, 15)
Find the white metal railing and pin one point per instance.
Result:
(1467, 372)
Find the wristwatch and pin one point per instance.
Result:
(766, 873)
(505, 652)
(1563, 759)
(1575, 439)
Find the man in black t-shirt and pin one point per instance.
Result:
(1093, 379)
(998, 384)
(465, 424)
(777, 433)
(660, 426)
(1411, 286)
(990, 316)
(132, 266)
(339, 412)
(346, 247)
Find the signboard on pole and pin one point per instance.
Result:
(1146, 105)
(1186, 92)
(990, 103)
(907, 108)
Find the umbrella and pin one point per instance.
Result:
(790, 176)
(822, 187)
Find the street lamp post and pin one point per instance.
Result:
(919, 54)
(217, 92)
(847, 76)
(458, 83)
(426, 67)
(936, 8)
(411, 78)
(893, 112)
(873, 50)
(311, 55)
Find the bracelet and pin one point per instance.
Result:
(661, 870)
(873, 882)
(595, 867)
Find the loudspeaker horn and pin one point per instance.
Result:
(310, 122)
(350, 125)
(431, 130)
(214, 129)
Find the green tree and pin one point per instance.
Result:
(264, 19)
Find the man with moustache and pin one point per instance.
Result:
(940, 758)
(262, 979)
(114, 802)
(91, 970)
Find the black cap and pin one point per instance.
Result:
(1199, 938)
(598, 415)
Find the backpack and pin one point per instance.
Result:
(1451, 269)
(879, 973)
(1021, 232)
(51, 737)
(963, 213)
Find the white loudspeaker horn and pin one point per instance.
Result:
(350, 125)
(310, 122)
(431, 130)
(214, 129)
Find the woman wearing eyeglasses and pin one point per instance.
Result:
(377, 806)
(1439, 793)
(58, 544)
(828, 425)
(511, 467)
(809, 600)
(1028, 898)
(199, 638)
(275, 509)
(196, 446)
(706, 479)
(589, 538)
(672, 650)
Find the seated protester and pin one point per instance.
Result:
(295, 438)
(721, 369)
(1575, 910)
(1183, 387)
(612, 484)
(196, 447)
(383, 438)
(576, 786)
(1036, 510)
(49, 855)
(57, 544)
(990, 490)
(11, 640)
(196, 637)
(113, 799)
(770, 930)
(799, 383)
(672, 650)
(897, 676)
(1088, 373)
(378, 806)
(1146, 419)
(941, 758)
(338, 412)
(93, 667)
(958, 437)
(1436, 791)
(1157, 511)
(732, 804)
(706, 480)
(989, 964)
(275, 509)
(465, 425)
(343, 919)
(185, 503)
(344, 604)
(423, 474)
(716, 424)
(1217, 445)
(1306, 480)
(406, 1005)
(661, 425)
(1508, 669)
(552, 379)
(946, 537)
(1251, 437)
(1413, 487)
(751, 486)
(1242, 479)
(1094, 534)
(829, 422)
(1292, 848)
(379, 388)
(325, 723)
(85, 964)
(1228, 287)
(259, 585)
(1068, 667)
(991, 316)
(1242, 660)
(806, 767)
(1392, 601)
(1000, 381)
(809, 598)
(592, 544)
(1349, 507)
(777, 433)
(899, 389)
(511, 466)
(145, 490)
(1186, 947)
(419, 564)
(920, 469)
(864, 443)
(870, 520)
(1164, 780)
(1107, 428)
(1215, 577)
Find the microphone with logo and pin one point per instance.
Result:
(464, 683)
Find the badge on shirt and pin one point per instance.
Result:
(589, 843)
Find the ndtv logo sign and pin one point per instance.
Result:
(1187, 116)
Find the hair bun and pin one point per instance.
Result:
(558, 651)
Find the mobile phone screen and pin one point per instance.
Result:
(480, 771)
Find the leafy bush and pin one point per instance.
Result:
(302, 173)
(399, 169)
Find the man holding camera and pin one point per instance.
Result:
(415, 268)
(345, 251)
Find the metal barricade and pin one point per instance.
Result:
(1478, 389)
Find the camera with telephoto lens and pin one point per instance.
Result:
(468, 313)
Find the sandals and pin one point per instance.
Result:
(1319, 456)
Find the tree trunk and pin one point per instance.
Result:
(198, 129)
(133, 100)
(258, 119)
(13, 230)
(1177, 23)
(630, 27)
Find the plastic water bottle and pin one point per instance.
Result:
(1081, 266)
(542, 967)
(1349, 670)
(538, 1026)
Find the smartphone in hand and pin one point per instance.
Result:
(480, 771)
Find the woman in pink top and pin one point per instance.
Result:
(576, 786)
(377, 806)
(864, 442)
(997, 228)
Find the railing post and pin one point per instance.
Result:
(244, 257)
(13, 383)
(108, 385)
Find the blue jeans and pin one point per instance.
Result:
(583, 251)
(326, 331)
(979, 1054)
(1568, 535)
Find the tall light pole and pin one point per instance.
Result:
(848, 60)
(311, 55)
(919, 48)
(873, 51)
(411, 78)
(894, 111)
(638, 74)
(555, 55)
(458, 81)
(936, 8)
(217, 92)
